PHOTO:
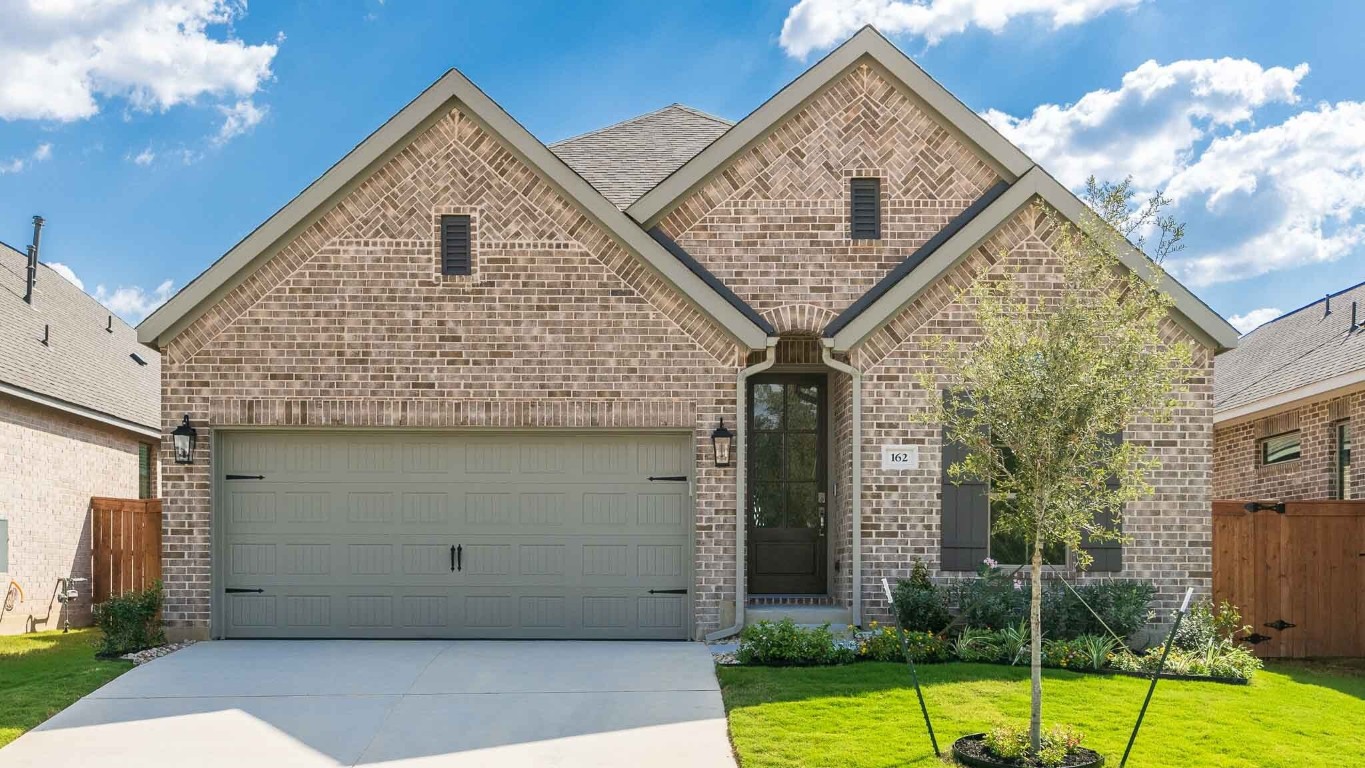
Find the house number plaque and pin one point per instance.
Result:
(899, 457)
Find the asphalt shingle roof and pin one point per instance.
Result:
(1298, 349)
(83, 363)
(626, 160)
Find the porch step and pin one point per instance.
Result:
(806, 615)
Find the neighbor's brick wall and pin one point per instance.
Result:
(773, 224)
(350, 325)
(51, 463)
(901, 510)
(1239, 474)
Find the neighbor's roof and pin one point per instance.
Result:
(626, 160)
(85, 368)
(1304, 353)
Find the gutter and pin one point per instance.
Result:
(741, 478)
(78, 410)
(856, 492)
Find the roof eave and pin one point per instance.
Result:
(213, 283)
(1008, 159)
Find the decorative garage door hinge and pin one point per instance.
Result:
(668, 478)
(239, 590)
(667, 591)
(246, 477)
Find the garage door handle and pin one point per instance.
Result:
(452, 558)
(238, 591)
(667, 591)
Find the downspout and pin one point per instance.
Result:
(856, 492)
(741, 478)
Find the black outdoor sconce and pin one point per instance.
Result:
(721, 441)
(184, 438)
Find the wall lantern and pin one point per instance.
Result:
(721, 440)
(184, 437)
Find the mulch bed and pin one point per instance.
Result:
(971, 750)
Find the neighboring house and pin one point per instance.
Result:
(80, 406)
(1287, 401)
(467, 385)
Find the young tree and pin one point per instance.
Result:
(1055, 373)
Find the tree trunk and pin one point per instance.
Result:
(1035, 622)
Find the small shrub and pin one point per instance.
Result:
(783, 643)
(1217, 660)
(881, 644)
(980, 646)
(129, 622)
(1064, 654)
(1011, 743)
(1014, 643)
(921, 606)
(997, 601)
(1098, 650)
(1205, 625)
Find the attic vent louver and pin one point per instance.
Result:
(455, 246)
(137, 359)
(865, 219)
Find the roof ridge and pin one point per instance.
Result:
(1309, 305)
(637, 118)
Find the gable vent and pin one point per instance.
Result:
(865, 221)
(455, 246)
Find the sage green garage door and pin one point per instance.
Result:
(481, 535)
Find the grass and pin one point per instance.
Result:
(43, 673)
(866, 716)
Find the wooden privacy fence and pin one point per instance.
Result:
(125, 549)
(1297, 572)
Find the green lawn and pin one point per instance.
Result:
(866, 715)
(43, 673)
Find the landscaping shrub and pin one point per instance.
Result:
(921, 606)
(880, 644)
(1064, 654)
(981, 646)
(1205, 625)
(783, 643)
(1012, 743)
(1223, 661)
(995, 601)
(129, 622)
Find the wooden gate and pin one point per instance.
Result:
(1298, 575)
(126, 545)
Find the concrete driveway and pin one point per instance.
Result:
(400, 703)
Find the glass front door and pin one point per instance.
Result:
(786, 504)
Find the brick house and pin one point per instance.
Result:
(468, 385)
(80, 404)
(1286, 402)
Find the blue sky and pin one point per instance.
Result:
(155, 150)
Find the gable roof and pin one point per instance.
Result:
(1009, 161)
(453, 88)
(922, 269)
(626, 160)
(86, 367)
(1305, 353)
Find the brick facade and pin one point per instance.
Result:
(1238, 472)
(51, 463)
(349, 325)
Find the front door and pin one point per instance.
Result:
(786, 504)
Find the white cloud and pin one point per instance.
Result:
(1149, 127)
(817, 24)
(145, 157)
(238, 119)
(16, 164)
(131, 302)
(59, 59)
(1272, 197)
(1255, 318)
(66, 272)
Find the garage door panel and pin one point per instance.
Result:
(557, 536)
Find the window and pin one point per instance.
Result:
(455, 246)
(1012, 548)
(1281, 448)
(1344, 460)
(865, 216)
(144, 471)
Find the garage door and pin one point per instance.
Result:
(411, 534)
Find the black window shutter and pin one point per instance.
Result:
(966, 512)
(455, 259)
(865, 218)
(1108, 555)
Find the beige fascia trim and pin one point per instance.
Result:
(1194, 315)
(78, 410)
(868, 42)
(1335, 386)
(453, 87)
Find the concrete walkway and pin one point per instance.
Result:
(397, 703)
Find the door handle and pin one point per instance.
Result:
(452, 558)
(459, 558)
